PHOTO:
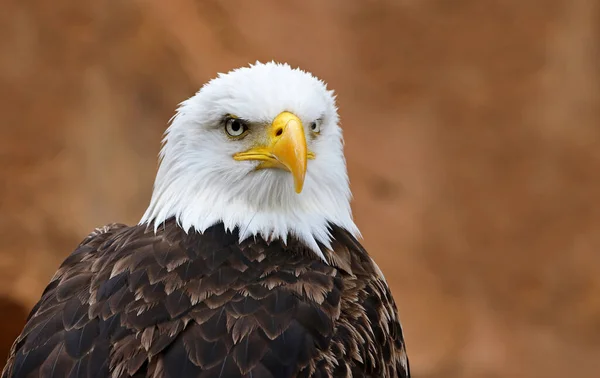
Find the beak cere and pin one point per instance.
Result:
(286, 148)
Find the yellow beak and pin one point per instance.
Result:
(285, 148)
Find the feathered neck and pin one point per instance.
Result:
(263, 203)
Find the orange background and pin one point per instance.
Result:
(473, 145)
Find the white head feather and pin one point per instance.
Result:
(200, 183)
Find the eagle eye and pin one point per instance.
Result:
(315, 126)
(235, 127)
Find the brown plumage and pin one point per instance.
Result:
(129, 302)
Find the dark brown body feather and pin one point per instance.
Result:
(129, 302)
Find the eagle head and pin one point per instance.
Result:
(259, 149)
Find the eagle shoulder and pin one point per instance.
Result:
(59, 314)
(369, 339)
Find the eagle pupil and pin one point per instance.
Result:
(236, 126)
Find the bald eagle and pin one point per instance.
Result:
(245, 264)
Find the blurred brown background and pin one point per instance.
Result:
(473, 144)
